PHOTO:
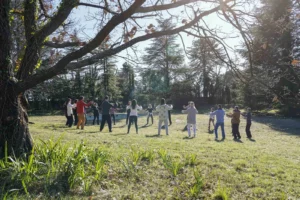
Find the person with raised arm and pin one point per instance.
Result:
(134, 107)
(163, 109)
(219, 113)
(235, 121)
(80, 106)
(191, 118)
(248, 117)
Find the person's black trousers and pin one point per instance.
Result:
(85, 119)
(96, 116)
(150, 115)
(67, 122)
(131, 120)
(170, 120)
(127, 118)
(248, 132)
(236, 132)
(70, 120)
(105, 118)
(75, 118)
(114, 118)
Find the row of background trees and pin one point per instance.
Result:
(206, 79)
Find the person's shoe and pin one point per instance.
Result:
(216, 138)
(110, 131)
(223, 138)
(100, 130)
(194, 135)
(239, 138)
(235, 138)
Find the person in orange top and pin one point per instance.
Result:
(80, 112)
(235, 121)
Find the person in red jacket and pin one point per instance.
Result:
(80, 112)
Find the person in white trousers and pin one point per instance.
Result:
(163, 109)
(191, 118)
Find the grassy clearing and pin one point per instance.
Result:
(76, 164)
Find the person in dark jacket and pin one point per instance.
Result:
(96, 113)
(105, 114)
(248, 116)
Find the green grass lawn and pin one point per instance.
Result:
(143, 166)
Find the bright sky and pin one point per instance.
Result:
(89, 30)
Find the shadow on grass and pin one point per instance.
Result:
(238, 140)
(252, 140)
(144, 126)
(188, 138)
(118, 134)
(153, 136)
(123, 126)
(289, 126)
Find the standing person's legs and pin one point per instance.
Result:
(84, 122)
(216, 130)
(135, 121)
(209, 124)
(189, 129)
(238, 131)
(129, 125)
(127, 117)
(109, 123)
(170, 120)
(70, 118)
(148, 118)
(67, 122)
(234, 131)
(223, 130)
(114, 118)
(159, 126)
(85, 119)
(94, 118)
(213, 122)
(80, 120)
(102, 122)
(97, 116)
(75, 119)
(152, 118)
(166, 127)
(194, 128)
(248, 132)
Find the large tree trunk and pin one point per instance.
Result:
(14, 134)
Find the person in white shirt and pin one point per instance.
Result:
(211, 118)
(163, 109)
(70, 113)
(133, 114)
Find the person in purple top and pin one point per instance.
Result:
(220, 113)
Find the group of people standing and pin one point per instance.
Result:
(235, 122)
(76, 113)
(108, 113)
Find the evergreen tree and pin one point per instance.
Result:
(164, 54)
